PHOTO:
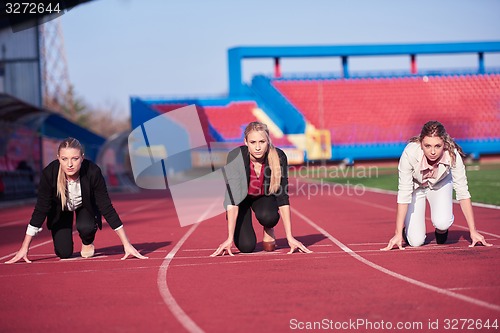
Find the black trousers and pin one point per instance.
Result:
(266, 212)
(62, 231)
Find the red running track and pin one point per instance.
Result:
(347, 284)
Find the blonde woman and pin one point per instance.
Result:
(72, 185)
(430, 168)
(259, 184)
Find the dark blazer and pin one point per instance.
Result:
(95, 196)
(237, 173)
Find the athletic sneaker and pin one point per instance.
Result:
(441, 238)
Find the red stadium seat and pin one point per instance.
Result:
(393, 109)
(229, 120)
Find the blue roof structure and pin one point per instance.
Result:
(237, 54)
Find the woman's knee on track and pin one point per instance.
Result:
(267, 218)
(415, 240)
(63, 252)
(87, 230)
(246, 247)
(442, 223)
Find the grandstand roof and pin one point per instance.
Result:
(23, 21)
(237, 54)
(46, 122)
(361, 50)
(11, 109)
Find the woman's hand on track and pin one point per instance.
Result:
(476, 237)
(296, 245)
(131, 251)
(396, 240)
(21, 254)
(226, 246)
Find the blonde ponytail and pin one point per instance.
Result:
(61, 187)
(274, 164)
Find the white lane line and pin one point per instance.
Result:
(372, 252)
(254, 253)
(409, 247)
(167, 296)
(481, 231)
(246, 262)
(356, 256)
(17, 222)
(140, 208)
(78, 271)
(475, 288)
(261, 255)
(377, 190)
(371, 204)
(31, 247)
(95, 258)
(367, 244)
(367, 203)
(482, 205)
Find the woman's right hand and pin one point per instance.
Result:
(396, 240)
(226, 246)
(21, 254)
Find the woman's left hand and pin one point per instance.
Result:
(130, 250)
(296, 245)
(478, 238)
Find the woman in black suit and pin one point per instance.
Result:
(72, 185)
(257, 179)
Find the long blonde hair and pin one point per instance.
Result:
(61, 177)
(272, 155)
(434, 128)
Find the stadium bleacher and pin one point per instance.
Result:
(228, 121)
(378, 110)
(352, 116)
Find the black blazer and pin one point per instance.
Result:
(95, 196)
(238, 179)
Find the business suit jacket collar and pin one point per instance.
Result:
(85, 184)
(246, 159)
(442, 172)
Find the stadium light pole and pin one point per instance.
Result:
(481, 62)
(321, 111)
(277, 69)
(413, 64)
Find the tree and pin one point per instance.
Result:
(103, 120)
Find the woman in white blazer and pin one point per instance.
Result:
(430, 167)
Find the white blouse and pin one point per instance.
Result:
(73, 195)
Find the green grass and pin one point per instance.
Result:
(484, 184)
(484, 180)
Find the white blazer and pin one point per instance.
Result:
(410, 175)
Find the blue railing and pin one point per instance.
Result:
(277, 107)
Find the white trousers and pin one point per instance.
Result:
(441, 205)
